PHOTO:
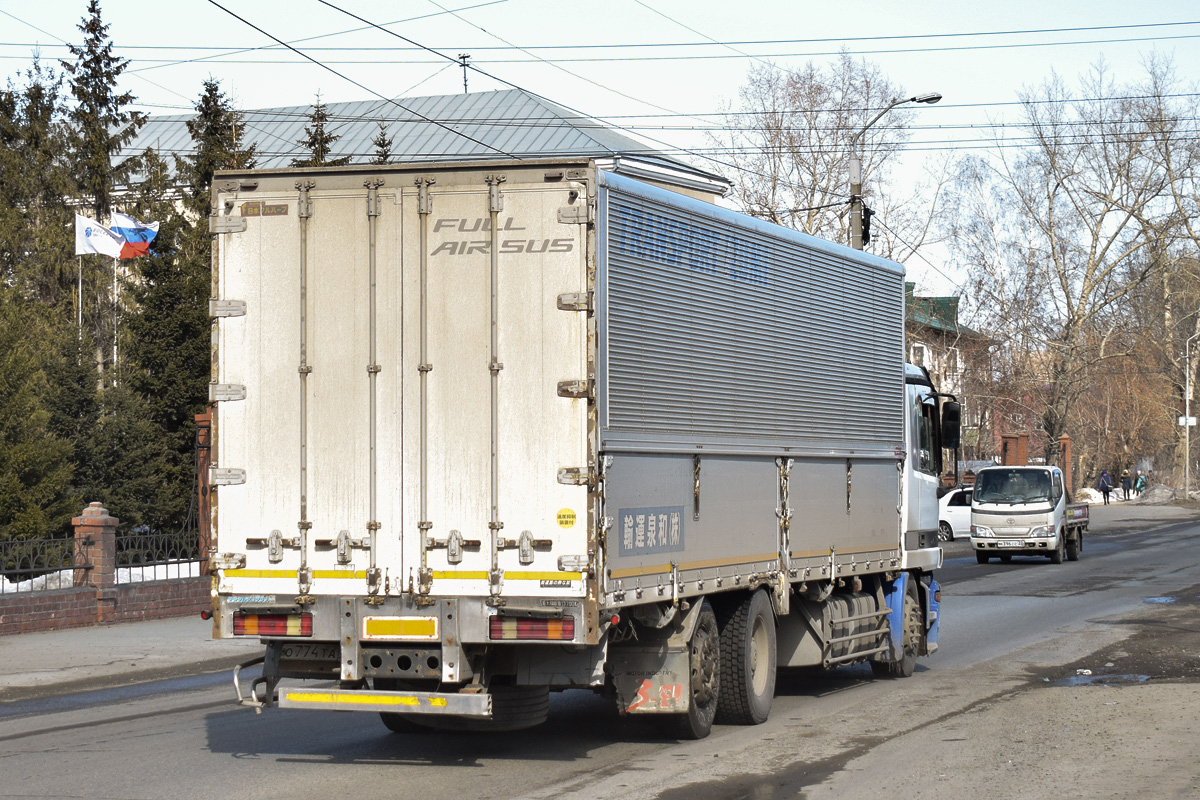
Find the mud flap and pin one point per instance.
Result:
(653, 676)
(932, 615)
(894, 596)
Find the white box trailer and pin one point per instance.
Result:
(482, 431)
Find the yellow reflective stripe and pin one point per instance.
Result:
(343, 574)
(514, 575)
(460, 575)
(358, 699)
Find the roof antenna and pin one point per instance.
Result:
(462, 59)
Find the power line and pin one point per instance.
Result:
(444, 127)
(613, 45)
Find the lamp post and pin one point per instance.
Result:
(1187, 415)
(856, 228)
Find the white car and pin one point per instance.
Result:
(954, 514)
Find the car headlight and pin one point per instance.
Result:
(1043, 532)
(981, 531)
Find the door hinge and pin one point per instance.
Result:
(577, 389)
(225, 392)
(226, 476)
(226, 224)
(576, 476)
(575, 301)
(575, 215)
(226, 308)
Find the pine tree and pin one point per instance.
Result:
(318, 141)
(37, 499)
(103, 123)
(383, 146)
(35, 182)
(218, 130)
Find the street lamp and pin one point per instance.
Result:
(1187, 416)
(856, 228)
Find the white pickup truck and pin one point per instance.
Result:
(1025, 511)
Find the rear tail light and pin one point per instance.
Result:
(520, 628)
(272, 625)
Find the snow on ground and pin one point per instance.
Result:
(65, 579)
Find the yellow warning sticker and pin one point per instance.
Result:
(566, 518)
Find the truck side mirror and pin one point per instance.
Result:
(951, 425)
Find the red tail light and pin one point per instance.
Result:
(520, 628)
(272, 625)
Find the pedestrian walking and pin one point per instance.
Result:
(1139, 485)
(1104, 485)
(1126, 484)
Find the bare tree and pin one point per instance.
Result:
(788, 144)
(1060, 229)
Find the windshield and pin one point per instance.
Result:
(1012, 486)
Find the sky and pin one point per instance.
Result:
(661, 68)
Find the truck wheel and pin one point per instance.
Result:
(748, 656)
(1073, 546)
(704, 652)
(1060, 552)
(911, 620)
(982, 557)
(398, 723)
(513, 708)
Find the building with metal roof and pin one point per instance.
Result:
(480, 126)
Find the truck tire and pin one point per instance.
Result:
(748, 661)
(514, 708)
(982, 557)
(1059, 553)
(396, 723)
(704, 651)
(1074, 545)
(911, 638)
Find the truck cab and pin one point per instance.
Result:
(1025, 510)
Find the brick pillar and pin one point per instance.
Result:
(96, 544)
(1064, 455)
(203, 504)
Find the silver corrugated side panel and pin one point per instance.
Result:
(723, 332)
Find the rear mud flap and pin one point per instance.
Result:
(651, 680)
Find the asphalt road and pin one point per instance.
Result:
(1007, 629)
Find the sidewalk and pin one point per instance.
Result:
(84, 659)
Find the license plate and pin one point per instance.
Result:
(308, 651)
(1010, 543)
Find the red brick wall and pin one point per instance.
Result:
(27, 612)
(41, 611)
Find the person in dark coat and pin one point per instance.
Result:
(1126, 484)
(1104, 485)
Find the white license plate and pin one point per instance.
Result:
(306, 651)
(1010, 543)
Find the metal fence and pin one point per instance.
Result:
(152, 556)
(34, 564)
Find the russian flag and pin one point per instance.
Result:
(137, 235)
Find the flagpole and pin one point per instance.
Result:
(114, 319)
(79, 305)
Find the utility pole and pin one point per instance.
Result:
(856, 211)
(462, 59)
